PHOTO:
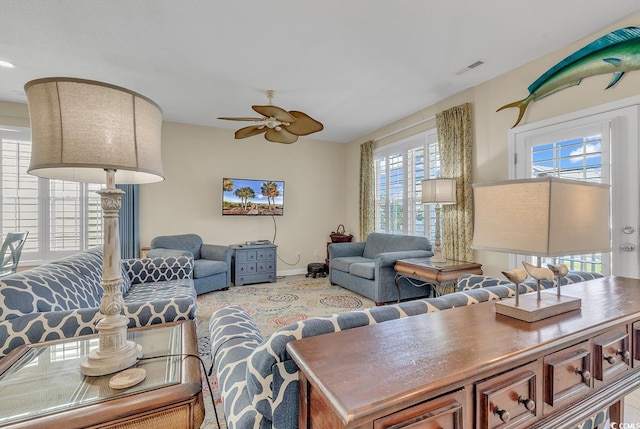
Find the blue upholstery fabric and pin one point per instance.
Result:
(61, 299)
(259, 380)
(367, 267)
(212, 263)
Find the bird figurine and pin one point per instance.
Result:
(538, 273)
(558, 271)
(516, 276)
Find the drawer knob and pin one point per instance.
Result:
(529, 404)
(586, 375)
(624, 353)
(610, 359)
(503, 414)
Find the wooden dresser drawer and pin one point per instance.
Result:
(508, 400)
(611, 355)
(567, 376)
(445, 412)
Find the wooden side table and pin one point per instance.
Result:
(41, 385)
(441, 276)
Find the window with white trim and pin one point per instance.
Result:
(62, 217)
(400, 169)
(570, 152)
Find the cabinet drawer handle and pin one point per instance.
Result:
(610, 359)
(529, 404)
(586, 375)
(624, 353)
(503, 414)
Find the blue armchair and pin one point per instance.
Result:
(212, 262)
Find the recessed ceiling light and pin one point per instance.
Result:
(6, 64)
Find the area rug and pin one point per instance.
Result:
(271, 306)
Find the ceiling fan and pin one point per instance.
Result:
(277, 124)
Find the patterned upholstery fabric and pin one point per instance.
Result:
(475, 281)
(259, 380)
(61, 299)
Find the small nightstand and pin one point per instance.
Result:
(441, 276)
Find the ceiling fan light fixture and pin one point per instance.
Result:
(279, 125)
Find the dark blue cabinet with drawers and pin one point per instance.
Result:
(253, 263)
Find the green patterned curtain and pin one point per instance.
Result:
(367, 190)
(455, 141)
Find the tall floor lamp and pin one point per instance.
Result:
(438, 191)
(541, 217)
(86, 131)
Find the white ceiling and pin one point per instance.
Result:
(354, 65)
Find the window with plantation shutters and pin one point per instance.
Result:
(400, 169)
(61, 217)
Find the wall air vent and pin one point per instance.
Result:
(471, 66)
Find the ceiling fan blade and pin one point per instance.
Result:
(243, 119)
(282, 136)
(304, 124)
(272, 111)
(253, 130)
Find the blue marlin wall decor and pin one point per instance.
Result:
(617, 52)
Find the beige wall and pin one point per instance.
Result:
(196, 159)
(491, 128)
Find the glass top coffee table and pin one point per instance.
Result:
(41, 384)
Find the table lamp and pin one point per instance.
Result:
(86, 131)
(542, 217)
(438, 191)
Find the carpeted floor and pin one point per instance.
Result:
(271, 305)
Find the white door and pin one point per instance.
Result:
(598, 145)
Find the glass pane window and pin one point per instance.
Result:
(400, 169)
(61, 217)
(576, 158)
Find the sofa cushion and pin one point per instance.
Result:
(375, 243)
(205, 268)
(343, 263)
(363, 269)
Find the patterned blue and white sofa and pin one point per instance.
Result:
(61, 299)
(257, 378)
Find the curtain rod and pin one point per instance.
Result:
(430, 118)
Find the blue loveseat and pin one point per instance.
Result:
(257, 378)
(367, 267)
(61, 299)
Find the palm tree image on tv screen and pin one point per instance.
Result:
(250, 197)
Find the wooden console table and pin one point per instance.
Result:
(469, 367)
(41, 385)
(440, 276)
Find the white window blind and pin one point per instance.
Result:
(399, 169)
(61, 217)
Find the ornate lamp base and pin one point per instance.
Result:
(115, 353)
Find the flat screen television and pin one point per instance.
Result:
(251, 197)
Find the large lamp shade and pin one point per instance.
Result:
(542, 217)
(80, 127)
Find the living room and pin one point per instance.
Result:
(322, 176)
